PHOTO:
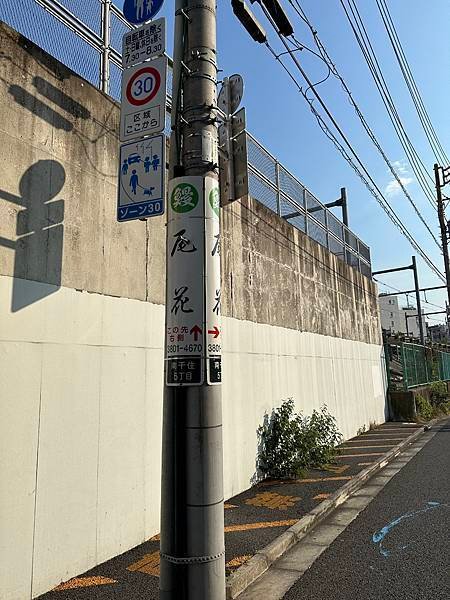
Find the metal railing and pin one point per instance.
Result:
(87, 37)
(273, 185)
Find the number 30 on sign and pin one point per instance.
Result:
(143, 109)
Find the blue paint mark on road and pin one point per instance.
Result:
(379, 536)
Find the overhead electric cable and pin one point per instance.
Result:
(359, 30)
(355, 161)
(411, 84)
(424, 301)
(326, 58)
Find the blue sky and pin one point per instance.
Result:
(279, 117)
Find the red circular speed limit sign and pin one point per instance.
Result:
(143, 86)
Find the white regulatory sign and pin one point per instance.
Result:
(143, 43)
(141, 192)
(143, 108)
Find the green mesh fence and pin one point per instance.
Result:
(411, 365)
(415, 365)
(444, 366)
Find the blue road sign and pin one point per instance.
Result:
(141, 11)
(142, 179)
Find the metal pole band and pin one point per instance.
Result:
(192, 560)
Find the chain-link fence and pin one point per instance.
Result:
(412, 365)
(273, 185)
(87, 37)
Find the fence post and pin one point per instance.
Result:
(428, 375)
(405, 372)
(106, 37)
(277, 181)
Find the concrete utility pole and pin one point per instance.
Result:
(192, 522)
(443, 227)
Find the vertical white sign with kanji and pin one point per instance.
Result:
(213, 324)
(185, 339)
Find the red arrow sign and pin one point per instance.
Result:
(196, 331)
(215, 332)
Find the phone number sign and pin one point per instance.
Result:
(143, 108)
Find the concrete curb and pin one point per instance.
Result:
(245, 575)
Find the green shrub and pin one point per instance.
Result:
(445, 407)
(290, 443)
(438, 392)
(424, 408)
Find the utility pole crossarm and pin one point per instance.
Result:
(409, 268)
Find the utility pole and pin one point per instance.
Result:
(412, 267)
(192, 522)
(443, 227)
(419, 305)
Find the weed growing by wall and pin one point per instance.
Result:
(291, 443)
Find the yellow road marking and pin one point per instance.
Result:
(343, 478)
(262, 525)
(79, 582)
(238, 561)
(368, 454)
(272, 500)
(321, 496)
(148, 564)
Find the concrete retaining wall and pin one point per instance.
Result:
(81, 333)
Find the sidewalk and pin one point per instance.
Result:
(253, 519)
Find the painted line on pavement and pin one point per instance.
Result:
(262, 525)
(316, 479)
(82, 582)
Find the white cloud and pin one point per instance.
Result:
(393, 187)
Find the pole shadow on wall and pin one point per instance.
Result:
(40, 230)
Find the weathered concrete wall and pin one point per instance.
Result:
(81, 333)
(58, 166)
(275, 274)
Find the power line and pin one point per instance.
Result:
(398, 290)
(326, 58)
(363, 39)
(410, 81)
(361, 170)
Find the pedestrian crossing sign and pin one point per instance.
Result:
(141, 190)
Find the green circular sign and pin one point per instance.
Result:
(184, 198)
(214, 200)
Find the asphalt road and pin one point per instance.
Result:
(409, 557)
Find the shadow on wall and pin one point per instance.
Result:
(40, 231)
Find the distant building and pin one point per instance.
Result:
(390, 314)
(438, 333)
(399, 320)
